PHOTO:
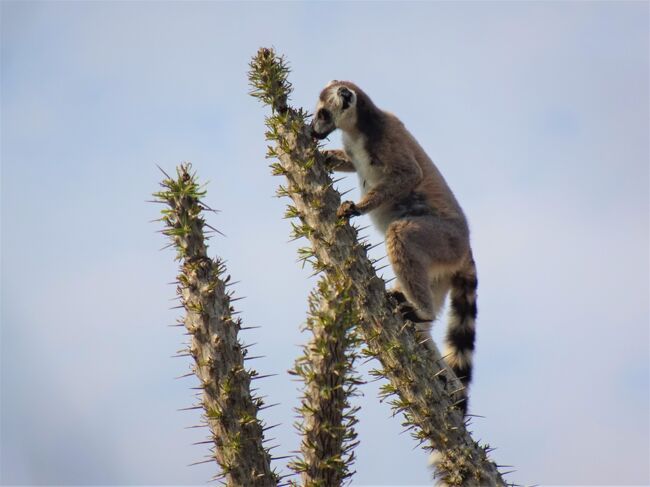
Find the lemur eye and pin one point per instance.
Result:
(346, 96)
(324, 115)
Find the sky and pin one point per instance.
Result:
(537, 114)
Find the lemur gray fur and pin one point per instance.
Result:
(408, 200)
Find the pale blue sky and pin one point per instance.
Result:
(537, 115)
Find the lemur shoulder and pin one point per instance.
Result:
(409, 201)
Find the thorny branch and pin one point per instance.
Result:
(230, 410)
(420, 385)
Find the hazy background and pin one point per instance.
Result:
(536, 113)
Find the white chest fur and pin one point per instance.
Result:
(369, 176)
(356, 150)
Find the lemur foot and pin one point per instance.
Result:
(409, 313)
(405, 308)
(332, 157)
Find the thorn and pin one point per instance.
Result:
(206, 207)
(458, 402)
(214, 229)
(203, 442)
(378, 378)
(443, 358)
(407, 429)
(366, 361)
(263, 376)
(163, 171)
(419, 443)
(203, 461)
(190, 408)
(232, 300)
(268, 406)
(217, 478)
(184, 375)
(457, 390)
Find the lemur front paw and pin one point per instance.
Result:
(330, 157)
(397, 296)
(347, 210)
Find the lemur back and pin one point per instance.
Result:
(409, 201)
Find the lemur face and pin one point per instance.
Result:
(335, 110)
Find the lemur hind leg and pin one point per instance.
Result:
(422, 250)
(410, 263)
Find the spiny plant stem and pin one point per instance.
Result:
(420, 385)
(327, 419)
(230, 410)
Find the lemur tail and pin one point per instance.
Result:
(461, 329)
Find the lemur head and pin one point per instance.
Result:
(336, 109)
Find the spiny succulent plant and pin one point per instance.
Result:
(230, 410)
(326, 418)
(419, 384)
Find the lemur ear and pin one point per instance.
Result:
(346, 96)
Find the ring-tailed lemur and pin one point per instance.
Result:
(427, 236)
